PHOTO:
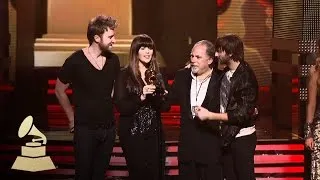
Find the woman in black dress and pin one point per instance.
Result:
(140, 97)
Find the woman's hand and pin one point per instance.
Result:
(309, 143)
(147, 89)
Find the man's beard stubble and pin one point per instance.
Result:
(224, 60)
(104, 47)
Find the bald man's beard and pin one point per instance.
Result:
(198, 72)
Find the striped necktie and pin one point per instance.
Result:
(224, 91)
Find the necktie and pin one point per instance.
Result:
(224, 91)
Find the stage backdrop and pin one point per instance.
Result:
(252, 21)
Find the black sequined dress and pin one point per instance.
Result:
(140, 130)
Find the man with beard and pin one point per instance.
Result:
(199, 143)
(238, 99)
(91, 72)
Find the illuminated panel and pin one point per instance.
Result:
(299, 169)
(274, 159)
(287, 147)
(287, 19)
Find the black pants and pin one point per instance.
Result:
(145, 156)
(93, 148)
(238, 159)
(191, 170)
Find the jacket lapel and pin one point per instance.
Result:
(211, 89)
(235, 78)
(187, 92)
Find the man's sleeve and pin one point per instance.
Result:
(65, 74)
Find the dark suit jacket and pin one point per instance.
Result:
(198, 141)
(241, 102)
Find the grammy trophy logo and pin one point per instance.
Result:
(33, 155)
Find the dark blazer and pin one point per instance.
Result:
(198, 141)
(242, 101)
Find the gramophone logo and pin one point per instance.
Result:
(33, 155)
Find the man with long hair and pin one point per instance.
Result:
(238, 100)
(91, 72)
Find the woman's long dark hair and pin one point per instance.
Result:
(142, 40)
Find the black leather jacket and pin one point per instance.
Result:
(242, 102)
